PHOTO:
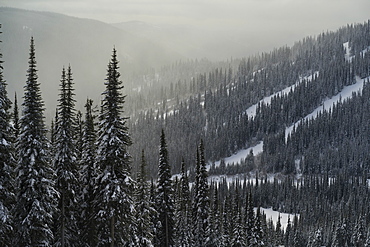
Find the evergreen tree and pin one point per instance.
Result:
(359, 235)
(79, 126)
(16, 117)
(143, 207)
(65, 164)
(36, 198)
(250, 221)
(258, 230)
(214, 227)
(7, 163)
(183, 214)
(164, 200)
(88, 175)
(201, 200)
(114, 183)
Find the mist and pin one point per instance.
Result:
(150, 34)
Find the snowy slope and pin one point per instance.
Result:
(251, 111)
(235, 158)
(346, 93)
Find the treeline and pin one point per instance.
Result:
(320, 67)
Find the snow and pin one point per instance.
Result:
(347, 49)
(242, 154)
(251, 111)
(272, 214)
(346, 93)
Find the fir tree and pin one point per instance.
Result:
(143, 207)
(214, 227)
(114, 183)
(65, 164)
(164, 200)
(183, 219)
(78, 128)
(87, 177)
(201, 199)
(7, 163)
(250, 221)
(36, 198)
(16, 117)
(258, 230)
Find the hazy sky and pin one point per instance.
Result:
(312, 14)
(272, 22)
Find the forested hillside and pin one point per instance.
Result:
(134, 171)
(216, 110)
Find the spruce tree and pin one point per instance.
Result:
(164, 200)
(65, 164)
(36, 197)
(143, 207)
(114, 186)
(7, 163)
(87, 177)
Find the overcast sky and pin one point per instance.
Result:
(279, 21)
(311, 13)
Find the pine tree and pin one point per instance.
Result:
(164, 200)
(7, 163)
(65, 164)
(201, 200)
(36, 198)
(114, 183)
(88, 175)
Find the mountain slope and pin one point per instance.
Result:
(61, 40)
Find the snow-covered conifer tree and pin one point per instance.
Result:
(183, 219)
(114, 186)
(36, 197)
(144, 207)
(7, 163)
(201, 200)
(164, 200)
(16, 117)
(65, 164)
(87, 177)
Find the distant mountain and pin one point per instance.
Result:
(61, 40)
(193, 42)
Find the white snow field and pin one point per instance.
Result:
(274, 215)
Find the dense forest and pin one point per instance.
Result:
(139, 170)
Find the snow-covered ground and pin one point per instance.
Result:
(347, 49)
(274, 215)
(242, 154)
(251, 111)
(346, 93)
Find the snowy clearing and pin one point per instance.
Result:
(251, 111)
(271, 214)
(346, 93)
(242, 154)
